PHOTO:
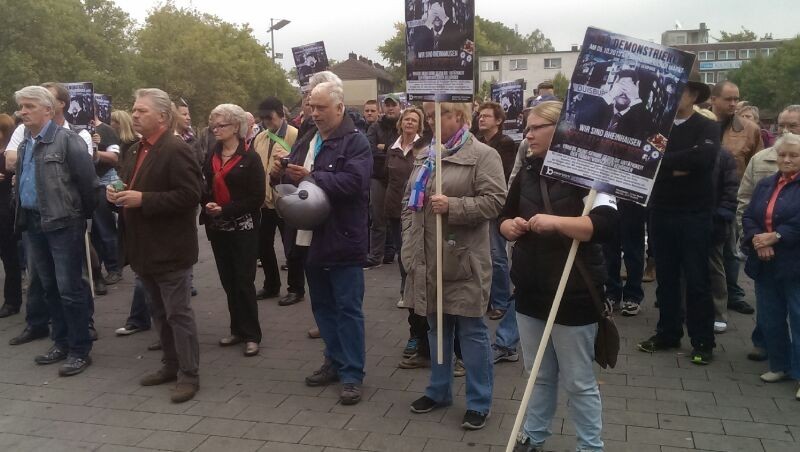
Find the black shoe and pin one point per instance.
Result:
(656, 344)
(526, 446)
(154, 346)
(194, 292)
(474, 420)
(74, 366)
(324, 376)
(52, 356)
(7, 311)
(92, 333)
(701, 356)
(423, 404)
(757, 354)
(100, 287)
(113, 278)
(388, 260)
(28, 335)
(262, 294)
(740, 306)
(285, 267)
(290, 299)
(371, 265)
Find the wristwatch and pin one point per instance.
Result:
(778, 235)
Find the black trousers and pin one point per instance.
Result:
(682, 241)
(296, 261)
(235, 253)
(270, 221)
(12, 288)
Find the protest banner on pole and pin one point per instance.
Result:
(510, 96)
(440, 49)
(309, 59)
(103, 105)
(80, 111)
(611, 136)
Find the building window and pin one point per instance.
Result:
(492, 65)
(680, 39)
(707, 77)
(706, 55)
(552, 63)
(519, 64)
(726, 55)
(722, 76)
(746, 54)
(768, 52)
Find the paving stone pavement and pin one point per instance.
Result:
(657, 402)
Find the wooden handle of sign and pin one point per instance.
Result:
(439, 257)
(89, 262)
(537, 362)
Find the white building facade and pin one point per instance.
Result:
(534, 68)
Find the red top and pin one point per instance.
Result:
(782, 181)
(147, 144)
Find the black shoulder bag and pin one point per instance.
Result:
(606, 343)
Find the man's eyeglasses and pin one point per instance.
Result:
(533, 128)
(793, 127)
(219, 126)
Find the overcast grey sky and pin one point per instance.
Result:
(362, 25)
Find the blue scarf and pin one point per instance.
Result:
(416, 199)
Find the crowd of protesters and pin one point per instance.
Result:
(727, 192)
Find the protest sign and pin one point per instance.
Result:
(617, 115)
(103, 105)
(440, 50)
(80, 111)
(309, 59)
(510, 96)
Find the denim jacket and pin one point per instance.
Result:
(67, 187)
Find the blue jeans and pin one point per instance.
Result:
(630, 240)
(476, 353)
(567, 361)
(59, 258)
(507, 333)
(500, 295)
(104, 237)
(777, 300)
(337, 296)
(140, 313)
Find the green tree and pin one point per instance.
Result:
(207, 61)
(560, 85)
(771, 82)
(393, 50)
(744, 35)
(67, 41)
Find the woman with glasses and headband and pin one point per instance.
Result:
(542, 244)
(473, 192)
(231, 203)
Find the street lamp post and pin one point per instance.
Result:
(272, 27)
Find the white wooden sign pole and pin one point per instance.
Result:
(537, 362)
(439, 259)
(89, 262)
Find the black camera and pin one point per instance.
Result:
(284, 162)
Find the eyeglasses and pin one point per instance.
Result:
(533, 128)
(219, 126)
(790, 126)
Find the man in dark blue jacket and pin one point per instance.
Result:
(338, 159)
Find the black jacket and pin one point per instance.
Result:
(538, 260)
(507, 149)
(383, 131)
(726, 187)
(245, 183)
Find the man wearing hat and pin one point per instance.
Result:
(682, 206)
(381, 134)
(546, 92)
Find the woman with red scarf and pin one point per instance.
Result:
(231, 203)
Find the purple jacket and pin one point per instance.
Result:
(342, 169)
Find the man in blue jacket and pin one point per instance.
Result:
(338, 159)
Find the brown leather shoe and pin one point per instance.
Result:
(251, 349)
(154, 346)
(183, 392)
(158, 378)
(313, 333)
(649, 270)
(496, 314)
(230, 340)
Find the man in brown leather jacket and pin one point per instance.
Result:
(742, 139)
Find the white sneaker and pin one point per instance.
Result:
(797, 396)
(774, 377)
(720, 327)
(401, 304)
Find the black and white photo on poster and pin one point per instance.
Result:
(510, 96)
(309, 59)
(401, 96)
(102, 103)
(440, 50)
(80, 111)
(617, 114)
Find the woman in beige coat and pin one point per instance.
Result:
(474, 192)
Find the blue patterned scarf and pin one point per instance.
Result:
(416, 199)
